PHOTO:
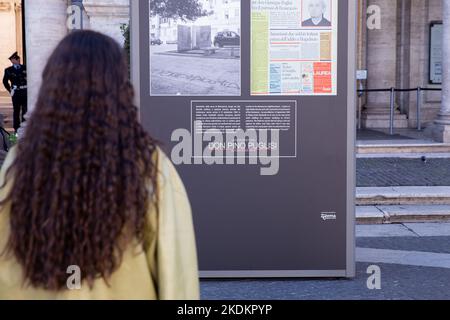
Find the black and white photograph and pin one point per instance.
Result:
(316, 13)
(195, 47)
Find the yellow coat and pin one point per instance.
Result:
(167, 271)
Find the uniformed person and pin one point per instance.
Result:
(15, 81)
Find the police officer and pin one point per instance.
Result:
(15, 81)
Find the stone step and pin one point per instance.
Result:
(9, 128)
(410, 230)
(402, 214)
(438, 155)
(402, 148)
(381, 119)
(6, 110)
(376, 196)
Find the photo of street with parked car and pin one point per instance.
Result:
(195, 48)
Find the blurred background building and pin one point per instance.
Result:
(408, 51)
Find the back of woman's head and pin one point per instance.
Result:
(83, 170)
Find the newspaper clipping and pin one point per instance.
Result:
(195, 48)
(294, 47)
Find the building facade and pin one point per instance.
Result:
(11, 32)
(398, 55)
(395, 54)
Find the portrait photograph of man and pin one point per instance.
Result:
(316, 13)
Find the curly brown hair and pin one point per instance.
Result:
(83, 176)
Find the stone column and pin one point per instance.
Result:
(107, 16)
(45, 26)
(441, 130)
(7, 38)
(382, 66)
(362, 47)
(403, 52)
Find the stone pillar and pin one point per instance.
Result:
(441, 130)
(382, 66)
(19, 26)
(403, 53)
(7, 38)
(422, 13)
(45, 26)
(362, 50)
(107, 16)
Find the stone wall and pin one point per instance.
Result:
(398, 55)
(7, 35)
(45, 26)
(424, 12)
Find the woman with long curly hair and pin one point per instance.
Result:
(90, 207)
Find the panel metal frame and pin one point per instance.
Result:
(349, 272)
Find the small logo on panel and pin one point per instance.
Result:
(326, 216)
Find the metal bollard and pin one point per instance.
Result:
(419, 109)
(391, 119)
(360, 95)
(359, 113)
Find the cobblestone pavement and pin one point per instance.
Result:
(411, 267)
(397, 283)
(392, 172)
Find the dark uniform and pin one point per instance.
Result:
(15, 81)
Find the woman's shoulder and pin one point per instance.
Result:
(167, 174)
(162, 160)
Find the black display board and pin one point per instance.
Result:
(254, 102)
